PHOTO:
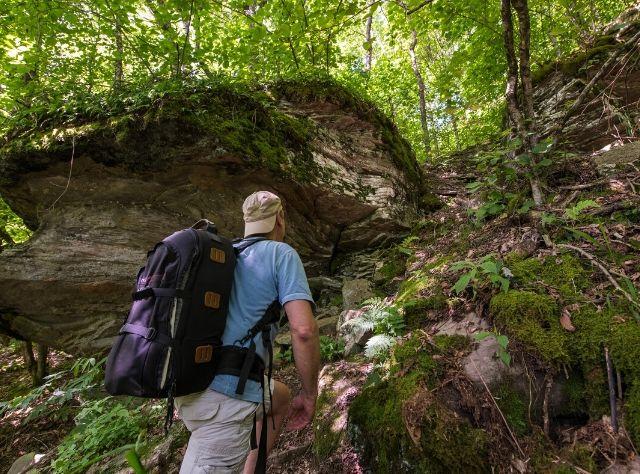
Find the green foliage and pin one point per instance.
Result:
(486, 270)
(102, 426)
(574, 213)
(331, 349)
(58, 60)
(58, 389)
(503, 342)
(11, 226)
(285, 355)
(386, 323)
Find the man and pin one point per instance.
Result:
(220, 420)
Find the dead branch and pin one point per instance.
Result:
(594, 261)
(506, 423)
(592, 184)
(616, 206)
(619, 381)
(446, 192)
(548, 381)
(612, 391)
(570, 198)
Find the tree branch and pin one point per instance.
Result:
(594, 261)
(419, 7)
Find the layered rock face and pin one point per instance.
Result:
(101, 193)
(608, 114)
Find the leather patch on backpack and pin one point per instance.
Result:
(204, 354)
(212, 300)
(217, 255)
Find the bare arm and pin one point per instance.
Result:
(306, 352)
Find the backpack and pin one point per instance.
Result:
(171, 341)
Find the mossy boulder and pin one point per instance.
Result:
(339, 384)
(532, 320)
(402, 425)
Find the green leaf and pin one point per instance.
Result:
(463, 281)
(502, 340)
(490, 266)
(482, 335)
(544, 163)
(505, 357)
(543, 146)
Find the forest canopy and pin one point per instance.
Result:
(437, 67)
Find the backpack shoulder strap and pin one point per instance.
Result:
(244, 244)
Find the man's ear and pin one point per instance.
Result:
(280, 218)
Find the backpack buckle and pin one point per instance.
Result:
(151, 335)
(203, 354)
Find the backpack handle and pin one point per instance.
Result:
(206, 225)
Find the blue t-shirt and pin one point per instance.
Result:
(266, 271)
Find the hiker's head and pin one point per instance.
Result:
(263, 215)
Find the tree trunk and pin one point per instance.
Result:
(167, 32)
(415, 65)
(511, 92)
(368, 49)
(37, 368)
(456, 133)
(118, 71)
(521, 113)
(29, 358)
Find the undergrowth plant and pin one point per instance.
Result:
(103, 428)
(504, 171)
(58, 389)
(386, 323)
(331, 349)
(503, 342)
(477, 273)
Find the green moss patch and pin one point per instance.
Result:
(564, 274)
(416, 310)
(532, 319)
(402, 425)
(632, 412)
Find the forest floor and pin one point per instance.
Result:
(594, 213)
(19, 434)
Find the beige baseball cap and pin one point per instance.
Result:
(260, 211)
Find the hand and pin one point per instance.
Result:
(301, 412)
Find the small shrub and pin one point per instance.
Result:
(487, 269)
(385, 321)
(102, 427)
(331, 349)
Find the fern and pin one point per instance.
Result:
(379, 345)
(384, 320)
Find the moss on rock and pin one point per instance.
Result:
(532, 319)
(326, 436)
(514, 408)
(632, 412)
(402, 426)
(416, 310)
(563, 273)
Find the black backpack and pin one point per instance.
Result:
(171, 341)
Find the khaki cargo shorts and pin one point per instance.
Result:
(220, 429)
